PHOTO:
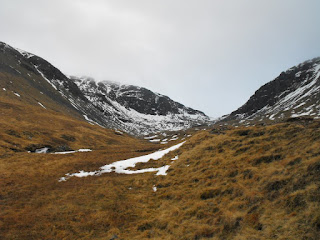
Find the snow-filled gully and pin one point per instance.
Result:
(123, 165)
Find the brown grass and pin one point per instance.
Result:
(248, 183)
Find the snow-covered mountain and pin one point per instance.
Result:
(132, 109)
(138, 109)
(294, 93)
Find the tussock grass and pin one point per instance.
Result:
(251, 183)
(245, 183)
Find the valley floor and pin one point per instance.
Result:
(240, 183)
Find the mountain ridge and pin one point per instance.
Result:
(294, 93)
(133, 114)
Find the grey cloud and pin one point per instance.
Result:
(208, 54)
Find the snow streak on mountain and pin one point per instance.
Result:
(138, 109)
(132, 109)
(294, 93)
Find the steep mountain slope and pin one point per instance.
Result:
(139, 109)
(39, 83)
(131, 109)
(20, 80)
(294, 93)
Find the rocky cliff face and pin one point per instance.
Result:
(132, 109)
(294, 93)
(139, 109)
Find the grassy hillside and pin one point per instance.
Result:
(250, 183)
(31, 199)
(243, 183)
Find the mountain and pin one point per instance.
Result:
(132, 109)
(138, 109)
(35, 81)
(294, 93)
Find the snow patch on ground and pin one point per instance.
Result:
(46, 150)
(123, 165)
(88, 119)
(175, 158)
(151, 137)
(154, 188)
(117, 131)
(42, 105)
(174, 138)
(68, 152)
(163, 170)
(301, 114)
(42, 150)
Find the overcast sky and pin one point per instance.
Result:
(211, 55)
